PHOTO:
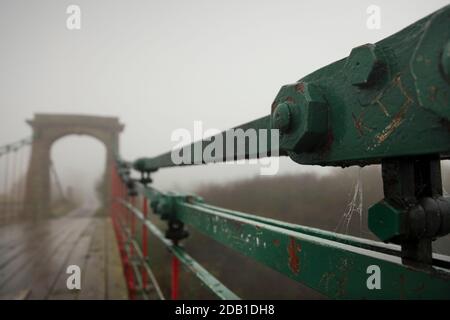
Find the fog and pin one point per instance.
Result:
(161, 65)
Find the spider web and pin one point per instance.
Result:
(355, 206)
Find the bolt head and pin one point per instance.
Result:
(164, 208)
(362, 65)
(301, 113)
(154, 205)
(385, 221)
(281, 117)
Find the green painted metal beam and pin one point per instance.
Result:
(230, 147)
(388, 99)
(333, 264)
(335, 269)
(385, 100)
(439, 260)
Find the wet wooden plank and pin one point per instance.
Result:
(98, 256)
(19, 267)
(93, 280)
(21, 295)
(28, 239)
(116, 286)
(77, 257)
(10, 233)
(14, 235)
(46, 274)
(35, 266)
(40, 269)
(56, 280)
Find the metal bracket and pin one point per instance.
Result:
(413, 212)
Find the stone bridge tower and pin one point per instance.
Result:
(47, 128)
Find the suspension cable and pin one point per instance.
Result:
(23, 169)
(57, 180)
(12, 182)
(5, 186)
(10, 193)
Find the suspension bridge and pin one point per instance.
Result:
(386, 103)
(36, 247)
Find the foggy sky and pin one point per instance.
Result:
(160, 65)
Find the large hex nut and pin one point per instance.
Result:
(140, 164)
(301, 115)
(386, 222)
(154, 205)
(430, 218)
(163, 206)
(363, 65)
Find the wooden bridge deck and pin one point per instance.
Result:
(34, 258)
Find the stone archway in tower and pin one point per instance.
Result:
(47, 128)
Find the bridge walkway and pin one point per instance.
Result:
(34, 258)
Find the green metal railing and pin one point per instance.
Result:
(386, 103)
